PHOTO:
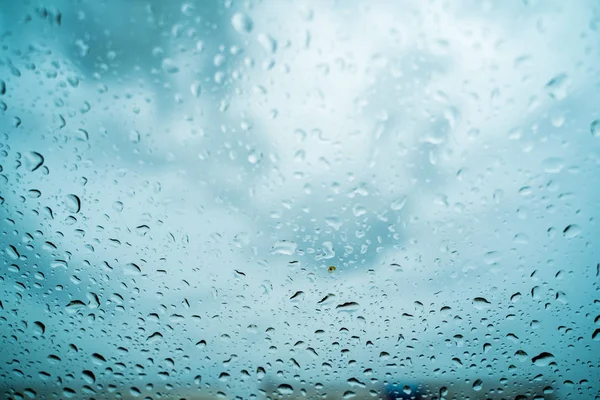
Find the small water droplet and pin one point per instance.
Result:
(254, 157)
(572, 231)
(557, 86)
(196, 89)
(169, 66)
(242, 23)
(595, 128)
(398, 204)
(267, 42)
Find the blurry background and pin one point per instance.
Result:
(277, 199)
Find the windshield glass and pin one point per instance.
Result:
(299, 199)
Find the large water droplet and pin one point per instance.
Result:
(284, 388)
(88, 376)
(33, 160)
(73, 203)
(480, 303)
(74, 306)
(572, 231)
(284, 247)
(155, 337)
(543, 359)
(131, 269)
(350, 306)
(39, 328)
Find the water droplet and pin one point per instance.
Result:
(572, 231)
(299, 295)
(196, 89)
(334, 221)
(350, 306)
(131, 269)
(543, 359)
(74, 306)
(242, 23)
(12, 252)
(284, 388)
(82, 135)
(88, 376)
(98, 359)
(267, 42)
(134, 136)
(117, 206)
(169, 66)
(254, 157)
(359, 210)
(33, 160)
(553, 165)
(155, 337)
(39, 328)
(480, 303)
(284, 247)
(73, 203)
(142, 230)
(595, 128)
(477, 385)
(34, 194)
(399, 203)
(557, 86)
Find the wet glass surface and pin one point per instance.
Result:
(299, 199)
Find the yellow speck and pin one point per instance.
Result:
(331, 268)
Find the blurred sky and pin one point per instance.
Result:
(225, 154)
